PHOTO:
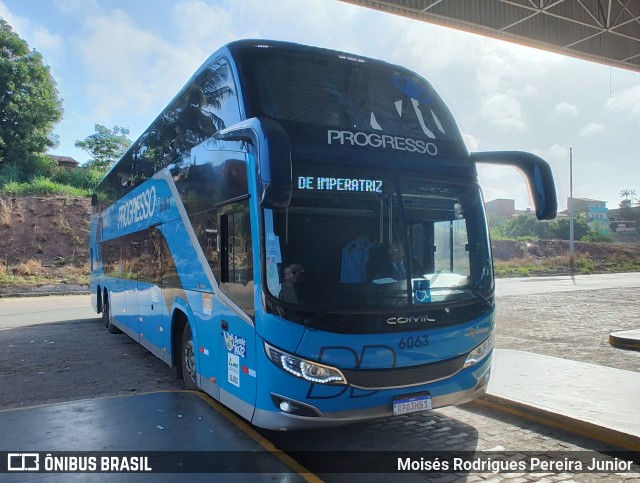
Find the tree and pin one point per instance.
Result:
(559, 229)
(29, 103)
(105, 146)
(627, 196)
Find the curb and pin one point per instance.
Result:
(566, 423)
(625, 339)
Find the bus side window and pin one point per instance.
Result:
(236, 255)
(131, 256)
(237, 263)
(153, 255)
(205, 226)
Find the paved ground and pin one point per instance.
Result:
(74, 360)
(79, 359)
(25, 311)
(571, 325)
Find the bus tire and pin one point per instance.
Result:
(105, 312)
(110, 327)
(188, 359)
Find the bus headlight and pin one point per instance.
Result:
(479, 353)
(304, 369)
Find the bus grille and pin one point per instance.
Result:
(403, 376)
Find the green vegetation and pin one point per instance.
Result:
(41, 186)
(31, 273)
(45, 177)
(29, 109)
(29, 103)
(10, 280)
(105, 146)
(525, 227)
(629, 198)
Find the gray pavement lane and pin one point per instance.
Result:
(53, 363)
(571, 325)
(565, 283)
(24, 311)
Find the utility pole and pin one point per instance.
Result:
(571, 247)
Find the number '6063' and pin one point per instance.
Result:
(413, 342)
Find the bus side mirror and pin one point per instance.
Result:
(273, 149)
(537, 172)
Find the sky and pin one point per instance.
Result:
(120, 62)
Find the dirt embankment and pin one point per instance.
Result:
(44, 242)
(551, 257)
(504, 250)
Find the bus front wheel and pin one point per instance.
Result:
(188, 359)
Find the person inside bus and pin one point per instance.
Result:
(292, 287)
(355, 257)
(391, 266)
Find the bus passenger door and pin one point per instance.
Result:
(235, 279)
(151, 311)
(131, 271)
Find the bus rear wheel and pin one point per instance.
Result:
(105, 312)
(188, 359)
(107, 318)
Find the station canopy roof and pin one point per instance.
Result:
(605, 31)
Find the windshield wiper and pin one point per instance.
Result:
(331, 305)
(479, 296)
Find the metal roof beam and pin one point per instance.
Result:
(569, 27)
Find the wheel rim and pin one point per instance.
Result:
(190, 360)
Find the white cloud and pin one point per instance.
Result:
(315, 24)
(194, 20)
(503, 112)
(137, 70)
(470, 141)
(503, 182)
(592, 128)
(566, 108)
(558, 152)
(133, 72)
(501, 66)
(493, 71)
(628, 102)
(6, 14)
(43, 37)
(37, 36)
(430, 48)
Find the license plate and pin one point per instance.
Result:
(411, 404)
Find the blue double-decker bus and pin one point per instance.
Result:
(301, 235)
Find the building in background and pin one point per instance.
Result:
(596, 212)
(505, 208)
(66, 162)
(624, 220)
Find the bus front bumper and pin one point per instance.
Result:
(280, 420)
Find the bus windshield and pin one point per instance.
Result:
(375, 243)
(345, 92)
